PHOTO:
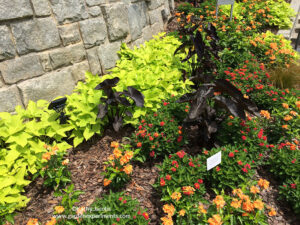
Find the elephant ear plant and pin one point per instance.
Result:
(210, 95)
(116, 106)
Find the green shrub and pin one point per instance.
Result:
(160, 133)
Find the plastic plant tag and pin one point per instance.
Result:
(225, 2)
(213, 160)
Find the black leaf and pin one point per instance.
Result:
(117, 123)
(108, 83)
(102, 110)
(136, 95)
(231, 106)
(128, 113)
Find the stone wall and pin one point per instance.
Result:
(47, 45)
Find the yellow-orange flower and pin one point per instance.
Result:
(293, 113)
(284, 105)
(219, 201)
(46, 156)
(128, 169)
(169, 209)
(285, 126)
(265, 114)
(176, 195)
(59, 209)
(258, 204)
(188, 190)
(111, 157)
(117, 153)
(215, 220)
(80, 210)
(237, 191)
(274, 46)
(106, 182)
(182, 212)
(236, 203)
(298, 104)
(114, 144)
(65, 162)
(263, 183)
(32, 221)
(128, 155)
(167, 221)
(123, 160)
(201, 209)
(254, 190)
(272, 212)
(248, 206)
(52, 221)
(287, 118)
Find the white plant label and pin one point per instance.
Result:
(213, 160)
(225, 2)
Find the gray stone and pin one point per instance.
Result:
(47, 87)
(126, 2)
(68, 11)
(21, 68)
(7, 49)
(69, 34)
(147, 33)
(41, 7)
(9, 98)
(45, 60)
(117, 21)
(108, 55)
(35, 35)
(12, 9)
(138, 42)
(144, 16)
(172, 4)
(134, 22)
(93, 31)
(156, 28)
(78, 70)
(95, 11)
(94, 2)
(1, 83)
(67, 56)
(154, 4)
(155, 16)
(92, 55)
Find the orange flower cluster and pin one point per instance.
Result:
(263, 183)
(47, 155)
(176, 196)
(188, 190)
(52, 221)
(201, 209)
(219, 201)
(59, 209)
(169, 209)
(33, 221)
(265, 114)
(215, 220)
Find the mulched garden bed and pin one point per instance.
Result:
(86, 164)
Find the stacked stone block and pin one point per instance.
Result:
(47, 45)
